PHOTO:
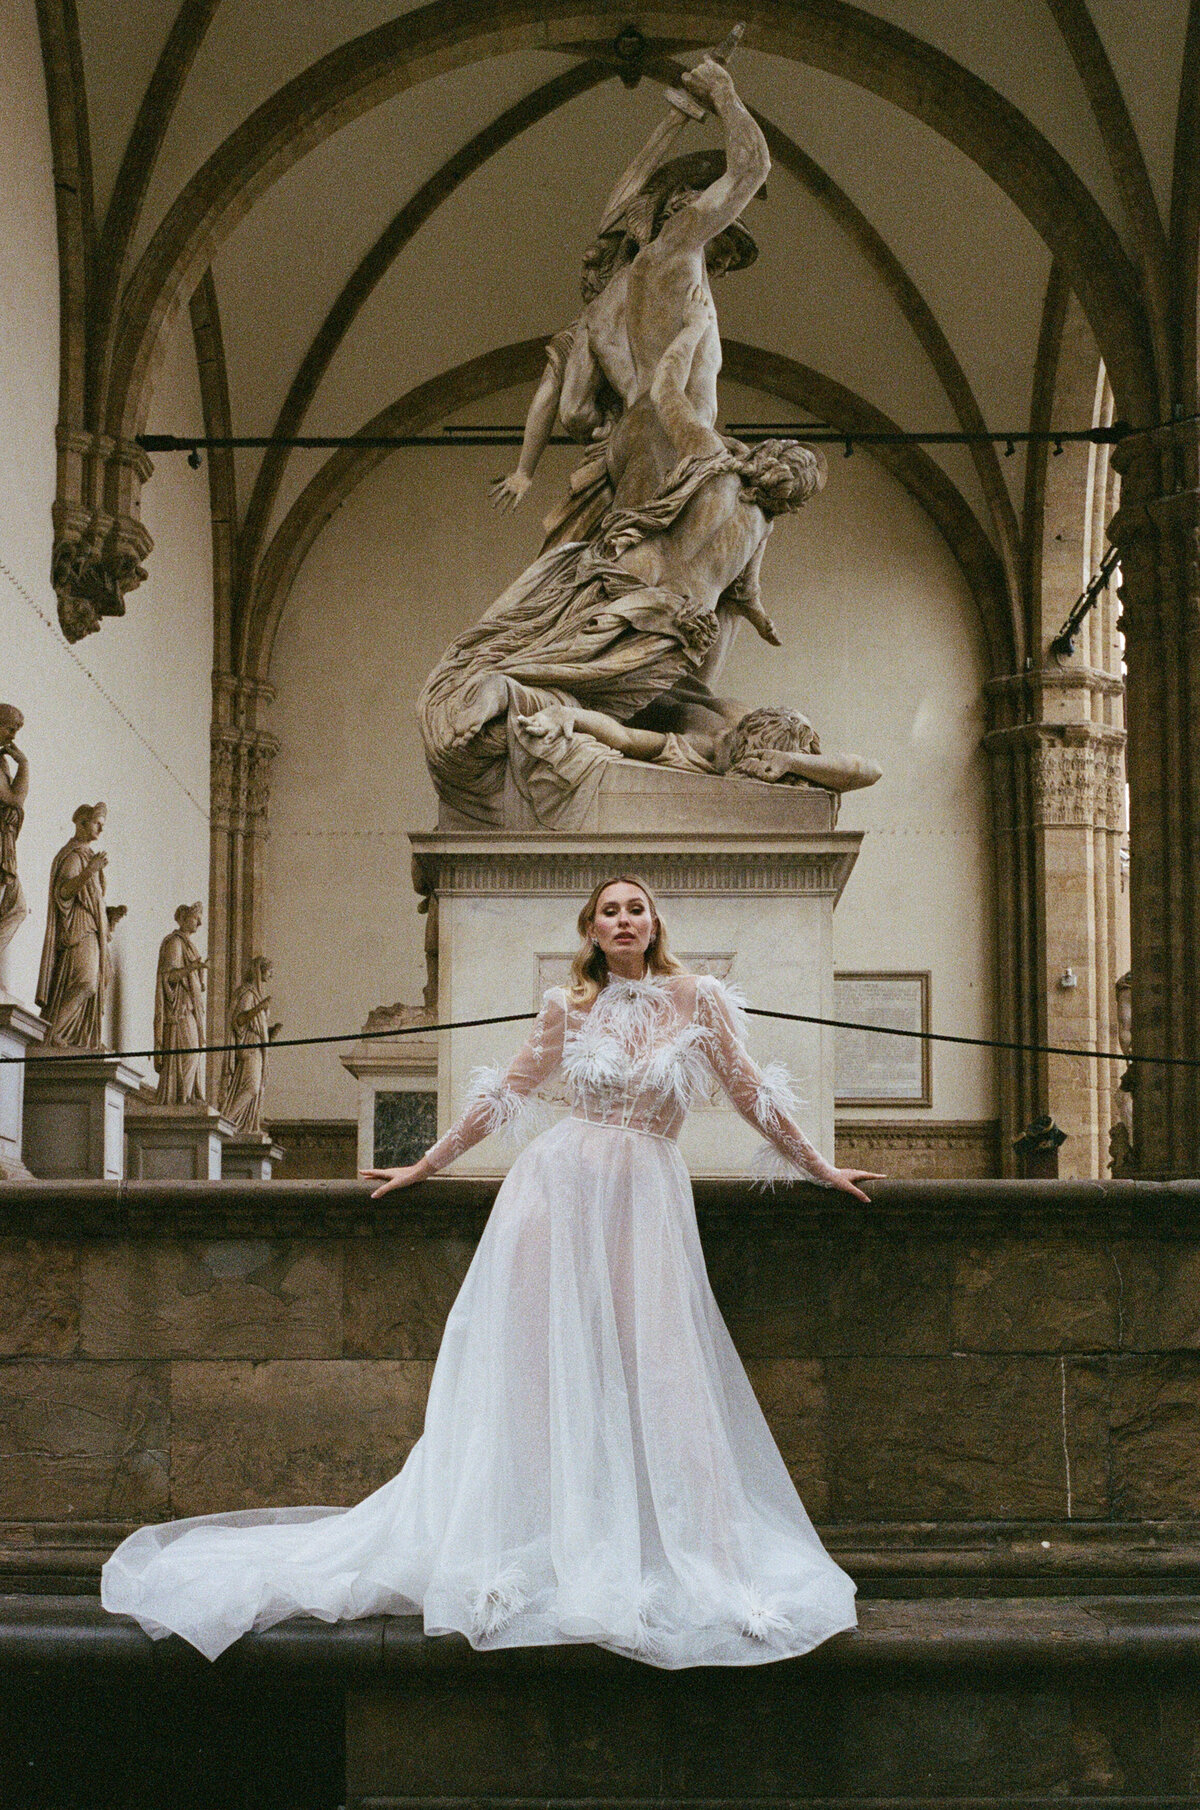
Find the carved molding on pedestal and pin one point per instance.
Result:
(448, 863)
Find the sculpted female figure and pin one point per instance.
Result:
(179, 1011)
(246, 1066)
(73, 982)
(14, 790)
(594, 1464)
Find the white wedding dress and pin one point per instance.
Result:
(594, 1464)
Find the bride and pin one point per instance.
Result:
(594, 1464)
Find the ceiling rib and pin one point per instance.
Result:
(377, 261)
(829, 34)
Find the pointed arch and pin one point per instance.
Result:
(831, 35)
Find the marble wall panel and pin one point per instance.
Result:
(236, 1298)
(39, 1298)
(974, 1438)
(82, 1441)
(290, 1432)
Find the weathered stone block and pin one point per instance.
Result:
(1050, 1295)
(83, 1441)
(287, 1433)
(792, 1395)
(966, 1437)
(398, 1292)
(39, 1298)
(249, 1298)
(1159, 1295)
(794, 1294)
(1154, 1436)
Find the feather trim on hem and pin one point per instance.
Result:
(760, 1620)
(505, 1597)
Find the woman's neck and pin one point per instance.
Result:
(627, 966)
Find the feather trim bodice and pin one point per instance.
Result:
(638, 1056)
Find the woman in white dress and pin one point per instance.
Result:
(594, 1465)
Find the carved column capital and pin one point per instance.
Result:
(241, 778)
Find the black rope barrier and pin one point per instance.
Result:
(818, 434)
(467, 1024)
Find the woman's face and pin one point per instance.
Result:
(624, 923)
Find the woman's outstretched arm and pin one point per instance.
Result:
(763, 1097)
(496, 1099)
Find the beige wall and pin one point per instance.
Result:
(123, 715)
(881, 650)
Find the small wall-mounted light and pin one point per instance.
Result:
(1068, 979)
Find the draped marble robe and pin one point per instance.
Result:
(576, 627)
(74, 976)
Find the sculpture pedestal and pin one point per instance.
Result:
(397, 1088)
(249, 1156)
(174, 1143)
(20, 1029)
(753, 907)
(75, 1115)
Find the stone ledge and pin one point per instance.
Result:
(897, 1560)
(949, 1633)
(332, 1208)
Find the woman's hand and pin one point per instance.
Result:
(396, 1178)
(846, 1179)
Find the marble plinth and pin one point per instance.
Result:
(20, 1030)
(397, 1087)
(75, 1115)
(753, 907)
(635, 796)
(174, 1143)
(249, 1156)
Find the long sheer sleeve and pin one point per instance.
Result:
(502, 1099)
(763, 1096)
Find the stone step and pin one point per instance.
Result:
(950, 1703)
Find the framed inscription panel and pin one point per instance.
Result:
(876, 1070)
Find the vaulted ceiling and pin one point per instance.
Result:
(364, 199)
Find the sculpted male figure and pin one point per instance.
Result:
(593, 372)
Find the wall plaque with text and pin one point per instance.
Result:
(875, 1067)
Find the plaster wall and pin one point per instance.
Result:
(123, 715)
(881, 649)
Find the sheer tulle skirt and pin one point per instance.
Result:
(594, 1465)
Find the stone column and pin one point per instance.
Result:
(242, 753)
(1158, 531)
(1058, 802)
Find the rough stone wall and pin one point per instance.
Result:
(957, 1355)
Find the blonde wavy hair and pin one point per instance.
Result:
(589, 970)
